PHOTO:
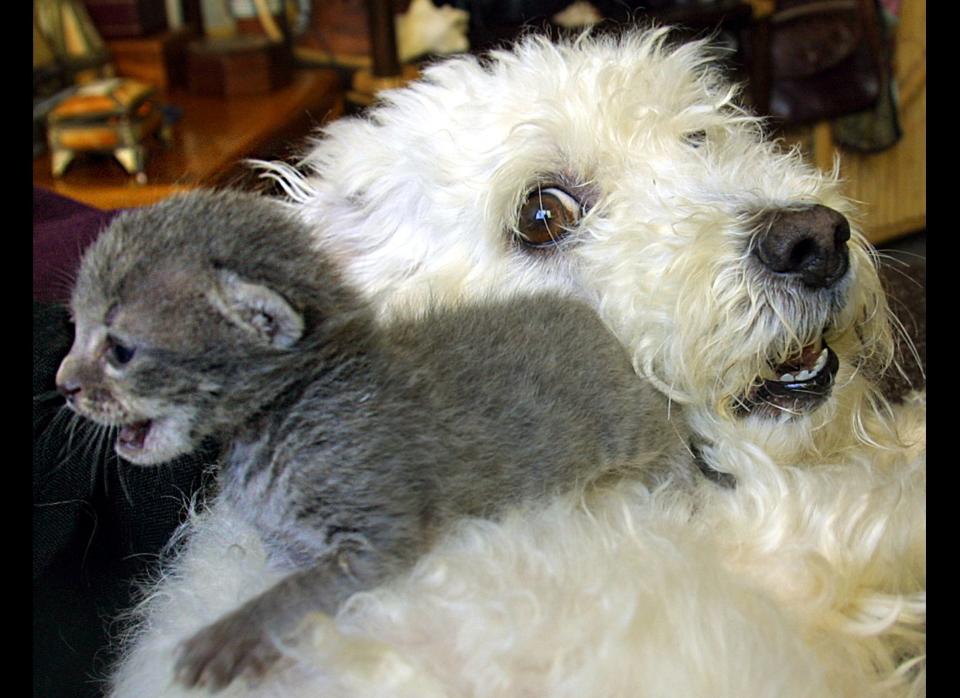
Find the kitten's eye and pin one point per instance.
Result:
(120, 353)
(546, 217)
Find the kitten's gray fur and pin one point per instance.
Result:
(351, 447)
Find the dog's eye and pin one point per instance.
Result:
(547, 216)
(119, 353)
(695, 138)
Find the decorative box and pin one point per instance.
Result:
(113, 116)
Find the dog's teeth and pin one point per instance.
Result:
(807, 374)
(821, 361)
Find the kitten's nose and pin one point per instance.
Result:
(809, 242)
(68, 381)
(69, 387)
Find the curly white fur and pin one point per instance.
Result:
(807, 580)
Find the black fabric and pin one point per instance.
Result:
(98, 523)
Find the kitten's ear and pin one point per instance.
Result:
(257, 309)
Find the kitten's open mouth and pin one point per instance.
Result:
(799, 386)
(154, 440)
(132, 438)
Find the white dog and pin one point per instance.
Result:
(620, 169)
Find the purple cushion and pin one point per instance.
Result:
(62, 229)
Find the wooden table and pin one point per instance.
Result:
(211, 139)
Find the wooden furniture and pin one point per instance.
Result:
(209, 143)
(386, 71)
(125, 18)
(237, 66)
(160, 59)
(115, 116)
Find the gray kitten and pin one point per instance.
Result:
(351, 447)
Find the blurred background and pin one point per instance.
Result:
(216, 81)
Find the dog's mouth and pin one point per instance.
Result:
(799, 386)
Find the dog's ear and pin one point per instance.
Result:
(256, 309)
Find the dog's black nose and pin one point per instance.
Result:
(810, 242)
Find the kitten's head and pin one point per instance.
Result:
(190, 315)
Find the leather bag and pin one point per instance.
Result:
(827, 58)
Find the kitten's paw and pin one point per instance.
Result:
(233, 646)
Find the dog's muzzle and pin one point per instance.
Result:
(806, 246)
